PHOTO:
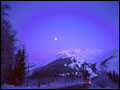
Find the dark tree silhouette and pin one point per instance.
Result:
(85, 75)
(8, 39)
(19, 68)
(113, 76)
(16, 69)
(22, 65)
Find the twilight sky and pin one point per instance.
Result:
(46, 27)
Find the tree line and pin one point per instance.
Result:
(13, 58)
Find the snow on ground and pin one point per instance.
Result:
(53, 85)
(7, 86)
(93, 86)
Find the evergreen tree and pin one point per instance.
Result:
(19, 68)
(22, 65)
(113, 77)
(109, 74)
(7, 45)
(117, 78)
(16, 70)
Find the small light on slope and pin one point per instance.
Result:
(65, 65)
(89, 82)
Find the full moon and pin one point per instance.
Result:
(55, 38)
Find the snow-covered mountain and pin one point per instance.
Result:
(66, 67)
(109, 60)
(73, 60)
(88, 54)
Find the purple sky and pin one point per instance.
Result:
(75, 24)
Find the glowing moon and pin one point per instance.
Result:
(55, 38)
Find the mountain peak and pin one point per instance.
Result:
(88, 54)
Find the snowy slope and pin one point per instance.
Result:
(77, 65)
(111, 61)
